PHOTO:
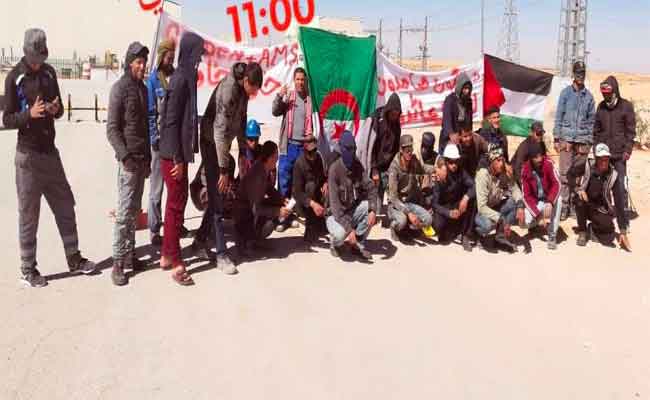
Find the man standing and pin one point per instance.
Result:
(178, 143)
(472, 149)
(453, 201)
(405, 198)
(573, 131)
(499, 201)
(387, 131)
(295, 108)
(32, 102)
(310, 189)
(128, 134)
(457, 111)
(491, 132)
(157, 85)
(352, 199)
(595, 195)
(615, 126)
(258, 204)
(541, 186)
(535, 137)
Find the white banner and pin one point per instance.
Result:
(423, 93)
(278, 63)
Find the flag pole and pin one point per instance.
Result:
(482, 27)
(154, 48)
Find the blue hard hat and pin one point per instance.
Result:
(253, 129)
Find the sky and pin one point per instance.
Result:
(616, 30)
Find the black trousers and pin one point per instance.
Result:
(449, 228)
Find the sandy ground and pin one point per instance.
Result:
(422, 321)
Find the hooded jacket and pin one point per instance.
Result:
(491, 191)
(616, 126)
(404, 183)
(283, 108)
(156, 89)
(386, 135)
(550, 185)
(614, 199)
(230, 108)
(521, 154)
(22, 87)
(179, 115)
(455, 109)
(127, 128)
(574, 117)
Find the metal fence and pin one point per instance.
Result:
(65, 68)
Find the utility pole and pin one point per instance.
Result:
(422, 47)
(399, 48)
(572, 41)
(509, 40)
(425, 46)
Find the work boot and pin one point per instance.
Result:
(225, 264)
(467, 244)
(33, 278)
(79, 264)
(582, 239)
(118, 276)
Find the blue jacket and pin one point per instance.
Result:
(155, 94)
(575, 116)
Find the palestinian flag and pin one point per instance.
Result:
(519, 91)
(342, 74)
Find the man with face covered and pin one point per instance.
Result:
(573, 131)
(387, 131)
(457, 111)
(599, 202)
(616, 127)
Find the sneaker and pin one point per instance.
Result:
(582, 239)
(225, 264)
(365, 254)
(394, 236)
(487, 244)
(201, 250)
(551, 244)
(138, 265)
(335, 251)
(467, 245)
(156, 240)
(281, 228)
(501, 239)
(295, 224)
(33, 278)
(118, 276)
(79, 264)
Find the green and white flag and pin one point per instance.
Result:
(519, 91)
(342, 74)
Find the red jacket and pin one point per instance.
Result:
(550, 184)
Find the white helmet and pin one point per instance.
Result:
(451, 152)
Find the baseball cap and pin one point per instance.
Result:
(602, 150)
(406, 140)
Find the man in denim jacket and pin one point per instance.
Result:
(573, 131)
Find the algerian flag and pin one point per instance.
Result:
(342, 74)
(519, 91)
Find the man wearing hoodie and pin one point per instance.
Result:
(615, 126)
(157, 85)
(599, 202)
(352, 198)
(457, 111)
(128, 134)
(573, 131)
(32, 103)
(540, 184)
(178, 143)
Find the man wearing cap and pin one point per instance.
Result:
(472, 149)
(128, 133)
(573, 131)
(540, 184)
(352, 198)
(598, 202)
(310, 189)
(405, 198)
(32, 103)
(616, 127)
(535, 136)
(499, 201)
(157, 84)
(429, 157)
(491, 131)
(453, 201)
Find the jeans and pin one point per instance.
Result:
(130, 187)
(399, 219)
(177, 192)
(285, 168)
(359, 224)
(156, 185)
(571, 159)
(38, 175)
(213, 216)
(508, 211)
(554, 222)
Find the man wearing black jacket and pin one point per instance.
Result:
(615, 126)
(128, 133)
(310, 188)
(536, 136)
(32, 103)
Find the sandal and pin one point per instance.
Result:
(183, 278)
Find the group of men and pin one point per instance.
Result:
(466, 190)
